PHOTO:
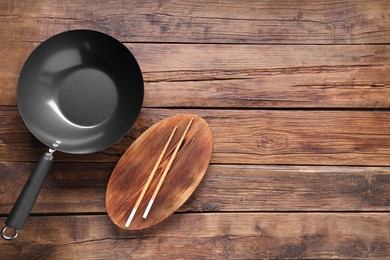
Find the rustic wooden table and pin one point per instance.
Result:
(297, 94)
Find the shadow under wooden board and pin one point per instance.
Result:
(165, 156)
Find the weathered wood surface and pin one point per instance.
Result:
(208, 236)
(290, 89)
(293, 21)
(243, 137)
(81, 187)
(242, 76)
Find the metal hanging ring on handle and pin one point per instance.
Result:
(4, 236)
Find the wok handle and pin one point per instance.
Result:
(27, 197)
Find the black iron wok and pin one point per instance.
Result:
(78, 92)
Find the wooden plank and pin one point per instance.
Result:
(287, 22)
(237, 76)
(217, 236)
(12, 56)
(69, 188)
(243, 137)
(291, 188)
(81, 188)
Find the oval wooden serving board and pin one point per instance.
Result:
(134, 168)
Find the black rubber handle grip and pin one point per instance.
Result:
(29, 194)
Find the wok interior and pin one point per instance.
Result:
(80, 91)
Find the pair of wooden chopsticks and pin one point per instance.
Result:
(144, 189)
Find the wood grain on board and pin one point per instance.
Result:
(214, 235)
(186, 160)
(282, 22)
(81, 188)
(243, 137)
(244, 76)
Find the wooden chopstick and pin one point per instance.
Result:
(146, 186)
(166, 171)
